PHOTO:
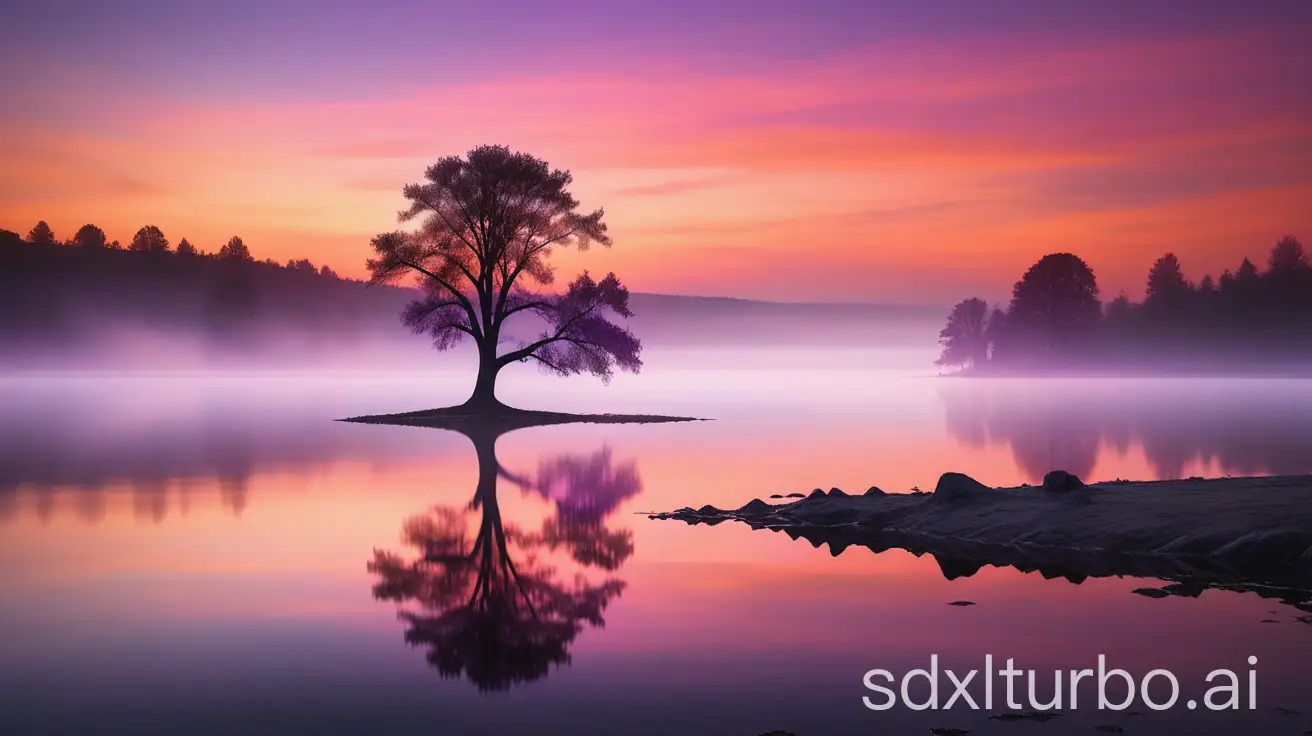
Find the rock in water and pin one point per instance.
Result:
(1151, 592)
(796, 495)
(756, 506)
(1059, 481)
(952, 486)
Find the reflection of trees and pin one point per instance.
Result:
(484, 600)
(585, 490)
(1244, 427)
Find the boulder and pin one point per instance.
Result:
(817, 493)
(755, 506)
(875, 491)
(836, 492)
(953, 486)
(1059, 481)
(1151, 592)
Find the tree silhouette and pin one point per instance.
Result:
(485, 605)
(489, 223)
(1053, 307)
(89, 236)
(149, 239)
(964, 339)
(185, 248)
(1245, 321)
(1246, 274)
(235, 250)
(1168, 292)
(41, 234)
(1287, 257)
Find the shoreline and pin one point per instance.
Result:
(506, 418)
(1254, 531)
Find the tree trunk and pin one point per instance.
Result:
(484, 396)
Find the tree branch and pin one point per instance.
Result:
(468, 306)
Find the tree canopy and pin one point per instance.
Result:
(235, 250)
(1166, 282)
(149, 239)
(90, 236)
(41, 234)
(1053, 304)
(1287, 257)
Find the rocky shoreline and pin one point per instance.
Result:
(1223, 532)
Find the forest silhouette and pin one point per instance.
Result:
(54, 295)
(1247, 320)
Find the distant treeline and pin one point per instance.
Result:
(1248, 320)
(86, 291)
(85, 301)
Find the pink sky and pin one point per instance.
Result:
(907, 165)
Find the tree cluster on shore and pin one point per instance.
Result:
(150, 239)
(1244, 320)
(58, 294)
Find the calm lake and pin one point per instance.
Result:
(201, 554)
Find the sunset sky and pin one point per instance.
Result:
(851, 151)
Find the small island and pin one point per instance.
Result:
(489, 222)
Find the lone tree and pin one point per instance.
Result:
(90, 236)
(488, 223)
(965, 340)
(149, 239)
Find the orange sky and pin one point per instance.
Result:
(907, 166)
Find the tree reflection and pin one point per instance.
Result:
(1241, 427)
(481, 596)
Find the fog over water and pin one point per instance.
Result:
(189, 549)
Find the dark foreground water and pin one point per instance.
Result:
(202, 554)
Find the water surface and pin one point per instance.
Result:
(184, 552)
